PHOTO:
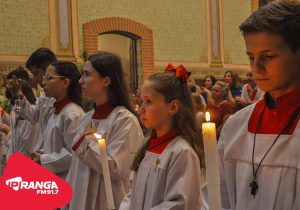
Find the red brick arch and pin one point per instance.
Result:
(254, 5)
(123, 25)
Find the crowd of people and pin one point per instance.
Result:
(154, 143)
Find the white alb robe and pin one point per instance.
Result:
(58, 138)
(38, 113)
(57, 134)
(22, 138)
(171, 180)
(278, 177)
(123, 136)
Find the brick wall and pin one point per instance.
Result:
(93, 28)
(254, 5)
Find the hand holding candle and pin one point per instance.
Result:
(105, 172)
(212, 164)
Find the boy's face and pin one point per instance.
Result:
(249, 77)
(38, 75)
(275, 67)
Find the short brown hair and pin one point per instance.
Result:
(280, 17)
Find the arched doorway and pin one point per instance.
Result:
(141, 36)
(127, 46)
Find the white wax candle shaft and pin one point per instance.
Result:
(212, 165)
(106, 175)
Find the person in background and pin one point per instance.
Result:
(37, 64)
(235, 85)
(250, 93)
(199, 109)
(193, 89)
(23, 134)
(208, 83)
(218, 105)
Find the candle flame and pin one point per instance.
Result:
(97, 136)
(207, 116)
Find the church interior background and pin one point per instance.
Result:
(202, 35)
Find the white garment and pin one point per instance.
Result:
(57, 132)
(123, 136)
(278, 177)
(203, 101)
(168, 181)
(58, 138)
(22, 138)
(245, 96)
(39, 113)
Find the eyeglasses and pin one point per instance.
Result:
(48, 77)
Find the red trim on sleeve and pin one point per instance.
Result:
(77, 144)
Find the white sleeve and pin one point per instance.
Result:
(29, 136)
(32, 112)
(60, 161)
(124, 140)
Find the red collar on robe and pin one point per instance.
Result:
(102, 111)
(276, 115)
(157, 145)
(59, 105)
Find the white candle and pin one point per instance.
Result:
(212, 164)
(105, 172)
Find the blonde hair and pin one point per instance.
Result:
(224, 88)
(200, 106)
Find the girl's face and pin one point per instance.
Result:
(92, 84)
(155, 113)
(55, 85)
(216, 92)
(208, 83)
(228, 78)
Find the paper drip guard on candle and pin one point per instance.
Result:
(105, 172)
(211, 163)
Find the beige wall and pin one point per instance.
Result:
(117, 44)
(24, 26)
(179, 29)
(178, 26)
(234, 13)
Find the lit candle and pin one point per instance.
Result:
(105, 172)
(212, 164)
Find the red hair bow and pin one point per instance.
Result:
(180, 72)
